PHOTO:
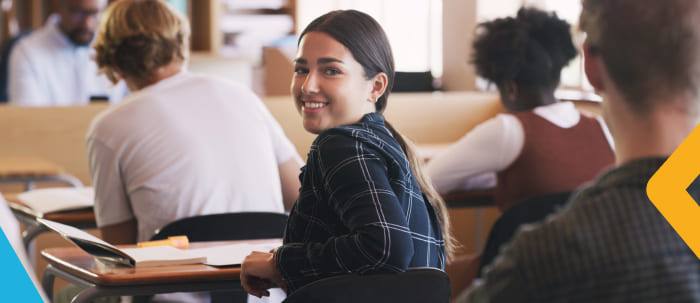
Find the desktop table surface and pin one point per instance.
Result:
(79, 263)
(80, 217)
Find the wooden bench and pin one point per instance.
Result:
(57, 134)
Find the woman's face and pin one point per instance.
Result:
(329, 86)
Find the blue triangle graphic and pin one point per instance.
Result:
(15, 283)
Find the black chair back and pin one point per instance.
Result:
(527, 211)
(226, 226)
(413, 82)
(416, 285)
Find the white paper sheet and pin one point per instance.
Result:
(232, 254)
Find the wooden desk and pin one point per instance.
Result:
(99, 280)
(29, 170)
(473, 199)
(83, 218)
(469, 198)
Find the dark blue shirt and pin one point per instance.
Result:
(360, 210)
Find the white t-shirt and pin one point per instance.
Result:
(10, 228)
(47, 69)
(187, 145)
(473, 161)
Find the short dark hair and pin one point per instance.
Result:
(650, 48)
(365, 39)
(530, 49)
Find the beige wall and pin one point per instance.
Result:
(459, 20)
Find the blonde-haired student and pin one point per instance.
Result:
(182, 144)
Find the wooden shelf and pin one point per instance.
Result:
(262, 11)
(206, 17)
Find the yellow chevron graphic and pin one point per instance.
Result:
(667, 190)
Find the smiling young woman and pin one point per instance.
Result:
(329, 85)
(364, 206)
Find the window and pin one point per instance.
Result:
(179, 5)
(414, 27)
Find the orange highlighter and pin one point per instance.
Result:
(180, 242)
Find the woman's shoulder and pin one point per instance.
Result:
(371, 125)
(337, 137)
(334, 147)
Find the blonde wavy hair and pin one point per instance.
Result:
(136, 37)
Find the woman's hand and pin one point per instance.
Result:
(259, 272)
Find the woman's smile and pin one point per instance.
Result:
(312, 106)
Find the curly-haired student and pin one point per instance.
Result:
(541, 145)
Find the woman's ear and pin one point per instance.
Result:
(379, 84)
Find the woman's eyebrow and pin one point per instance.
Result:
(324, 60)
(328, 60)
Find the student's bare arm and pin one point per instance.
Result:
(120, 233)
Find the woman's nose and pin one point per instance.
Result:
(310, 84)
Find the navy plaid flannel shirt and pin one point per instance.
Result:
(360, 210)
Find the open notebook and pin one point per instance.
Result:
(50, 200)
(221, 255)
(136, 257)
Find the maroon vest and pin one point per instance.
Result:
(553, 159)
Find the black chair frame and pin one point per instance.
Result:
(412, 286)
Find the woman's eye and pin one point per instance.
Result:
(332, 71)
(301, 70)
